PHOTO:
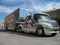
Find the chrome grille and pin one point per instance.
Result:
(55, 24)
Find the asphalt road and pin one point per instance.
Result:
(16, 38)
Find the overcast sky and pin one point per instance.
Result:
(8, 6)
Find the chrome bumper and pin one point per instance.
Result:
(53, 30)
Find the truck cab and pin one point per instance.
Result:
(39, 23)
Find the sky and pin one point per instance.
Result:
(8, 6)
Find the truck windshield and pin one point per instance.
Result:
(45, 17)
(41, 16)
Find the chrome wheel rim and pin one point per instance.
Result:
(39, 32)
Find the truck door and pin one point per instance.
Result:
(30, 26)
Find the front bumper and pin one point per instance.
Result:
(54, 31)
(50, 31)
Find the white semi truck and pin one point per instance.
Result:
(39, 23)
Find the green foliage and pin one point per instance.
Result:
(57, 18)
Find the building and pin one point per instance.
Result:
(1, 24)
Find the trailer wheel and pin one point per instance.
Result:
(40, 32)
(6, 28)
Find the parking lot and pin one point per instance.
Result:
(17, 38)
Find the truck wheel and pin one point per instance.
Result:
(40, 32)
(6, 28)
(53, 34)
(20, 29)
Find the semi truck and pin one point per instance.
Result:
(38, 23)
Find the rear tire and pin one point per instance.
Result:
(6, 28)
(20, 29)
(40, 32)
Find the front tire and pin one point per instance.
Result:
(40, 32)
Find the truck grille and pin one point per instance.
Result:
(55, 24)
